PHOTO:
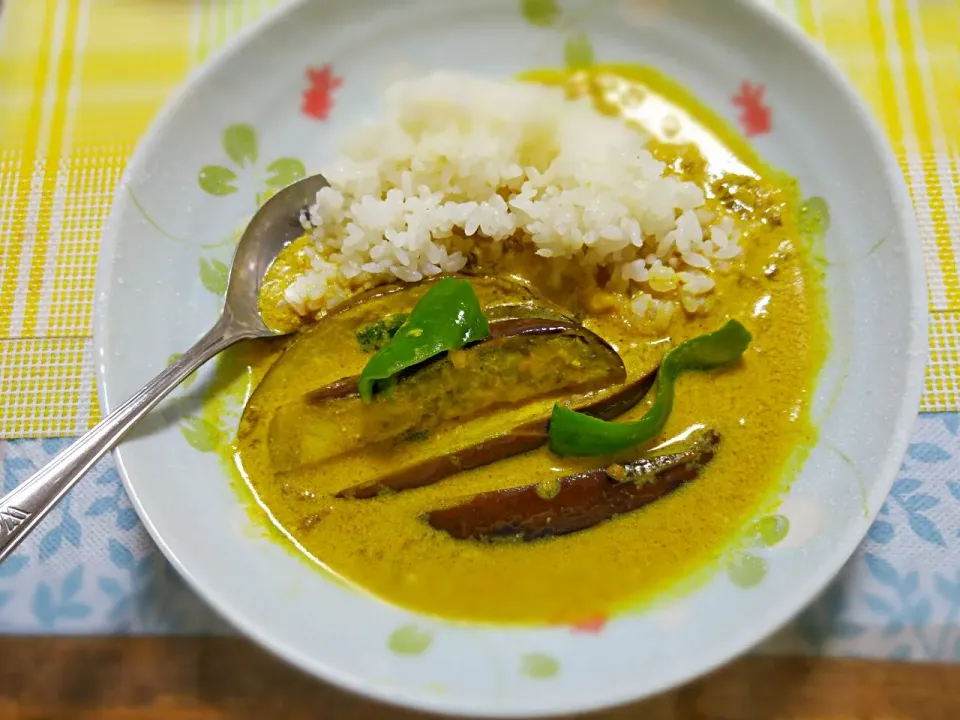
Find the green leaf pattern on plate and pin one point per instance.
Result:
(190, 378)
(771, 529)
(578, 51)
(814, 222)
(539, 666)
(815, 217)
(240, 143)
(241, 146)
(213, 275)
(747, 571)
(542, 13)
(284, 171)
(201, 435)
(409, 640)
(217, 180)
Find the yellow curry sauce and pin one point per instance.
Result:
(760, 407)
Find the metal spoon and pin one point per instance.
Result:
(275, 224)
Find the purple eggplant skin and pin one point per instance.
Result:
(578, 501)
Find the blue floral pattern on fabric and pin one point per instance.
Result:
(899, 597)
(91, 568)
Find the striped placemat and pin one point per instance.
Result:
(80, 81)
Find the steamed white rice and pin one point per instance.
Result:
(458, 164)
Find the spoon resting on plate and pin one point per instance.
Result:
(275, 225)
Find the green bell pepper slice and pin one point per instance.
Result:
(447, 317)
(575, 434)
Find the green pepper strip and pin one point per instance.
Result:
(573, 433)
(447, 317)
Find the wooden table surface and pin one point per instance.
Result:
(219, 678)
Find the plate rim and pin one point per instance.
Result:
(737, 642)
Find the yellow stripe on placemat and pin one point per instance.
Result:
(94, 87)
(81, 82)
(942, 384)
(25, 128)
(51, 185)
(923, 159)
(903, 56)
(47, 384)
(937, 26)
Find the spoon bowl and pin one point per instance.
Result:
(272, 228)
(275, 225)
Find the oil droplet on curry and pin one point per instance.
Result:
(383, 544)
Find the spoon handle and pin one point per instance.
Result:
(23, 508)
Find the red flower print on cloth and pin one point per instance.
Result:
(591, 626)
(755, 115)
(318, 97)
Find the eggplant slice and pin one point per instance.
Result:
(575, 502)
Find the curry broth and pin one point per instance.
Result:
(760, 407)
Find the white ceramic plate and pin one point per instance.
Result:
(246, 118)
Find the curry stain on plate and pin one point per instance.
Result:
(678, 543)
